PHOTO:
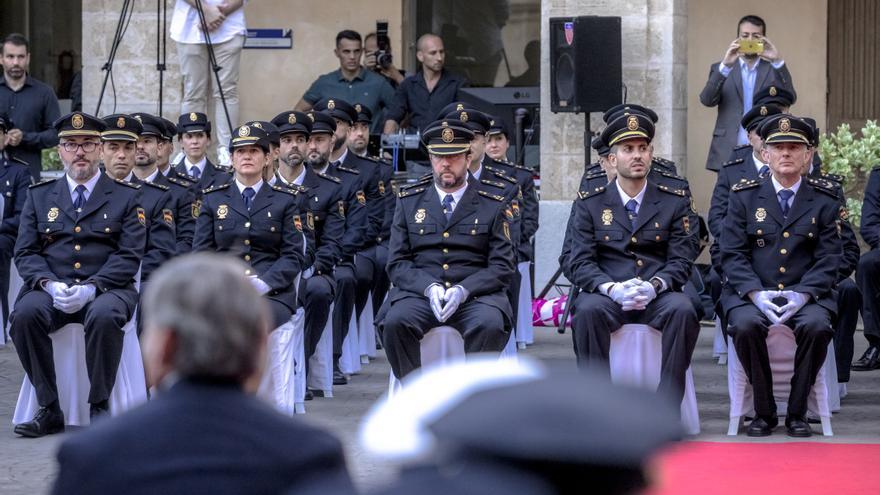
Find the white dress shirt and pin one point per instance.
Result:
(186, 27)
(456, 196)
(90, 186)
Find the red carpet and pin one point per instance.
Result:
(761, 468)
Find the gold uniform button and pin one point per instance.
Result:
(632, 239)
(272, 229)
(607, 238)
(247, 225)
(448, 284)
(445, 266)
(247, 272)
(760, 231)
(781, 286)
(247, 257)
(640, 262)
(786, 235)
(446, 235)
(77, 247)
(781, 269)
(421, 231)
(107, 229)
(445, 251)
(77, 228)
(247, 242)
(656, 237)
(77, 265)
(783, 251)
(810, 235)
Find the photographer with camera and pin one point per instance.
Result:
(751, 63)
(377, 55)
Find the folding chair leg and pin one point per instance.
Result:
(733, 427)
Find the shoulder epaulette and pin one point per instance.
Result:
(331, 178)
(420, 182)
(743, 185)
(19, 161)
(491, 196)
(596, 175)
(179, 182)
(495, 169)
(218, 187)
(587, 194)
(522, 167)
(157, 186)
(129, 184)
(664, 161)
(222, 168)
(825, 186)
(422, 177)
(404, 192)
(349, 170)
(667, 189)
(733, 162)
(671, 175)
(286, 190)
(833, 178)
(505, 177)
(42, 183)
(186, 177)
(741, 146)
(492, 183)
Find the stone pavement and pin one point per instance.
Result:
(27, 465)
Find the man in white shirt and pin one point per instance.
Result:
(227, 30)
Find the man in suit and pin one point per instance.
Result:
(451, 257)
(15, 177)
(204, 431)
(632, 252)
(781, 249)
(868, 274)
(734, 81)
(194, 134)
(79, 246)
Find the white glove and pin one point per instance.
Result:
(618, 291)
(763, 300)
(454, 296)
(638, 296)
(75, 299)
(435, 293)
(796, 301)
(56, 289)
(260, 286)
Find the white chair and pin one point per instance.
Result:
(367, 332)
(635, 359)
(15, 285)
(350, 361)
(509, 351)
(781, 347)
(72, 378)
(283, 384)
(321, 363)
(835, 393)
(525, 332)
(719, 345)
(440, 346)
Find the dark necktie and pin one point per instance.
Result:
(336, 163)
(80, 198)
(195, 172)
(248, 196)
(632, 212)
(784, 196)
(447, 207)
(764, 171)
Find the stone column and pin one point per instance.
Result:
(654, 45)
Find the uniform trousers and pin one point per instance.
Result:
(382, 282)
(868, 280)
(316, 296)
(407, 320)
(812, 332)
(34, 318)
(367, 275)
(596, 316)
(849, 303)
(7, 245)
(349, 278)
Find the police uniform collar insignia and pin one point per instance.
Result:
(420, 215)
(760, 214)
(53, 214)
(222, 211)
(77, 121)
(607, 216)
(193, 117)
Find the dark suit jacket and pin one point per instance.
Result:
(15, 177)
(726, 94)
(870, 226)
(200, 438)
(526, 204)
(213, 175)
(183, 197)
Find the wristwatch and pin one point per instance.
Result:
(657, 284)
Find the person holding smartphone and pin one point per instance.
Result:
(751, 63)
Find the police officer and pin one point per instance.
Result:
(274, 144)
(151, 151)
(497, 139)
(451, 258)
(631, 256)
(868, 274)
(79, 247)
(360, 184)
(15, 177)
(256, 222)
(658, 164)
(194, 134)
(781, 249)
(118, 144)
(325, 213)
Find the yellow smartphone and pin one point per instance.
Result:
(751, 47)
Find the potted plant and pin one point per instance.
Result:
(851, 157)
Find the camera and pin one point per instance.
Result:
(383, 46)
(751, 47)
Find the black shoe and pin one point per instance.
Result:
(762, 427)
(797, 427)
(97, 411)
(317, 393)
(46, 422)
(339, 378)
(870, 360)
(309, 395)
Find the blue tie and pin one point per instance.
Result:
(447, 207)
(784, 196)
(764, 171)
(631, 211)
(195, 172)
(80, 199)
(248, 196)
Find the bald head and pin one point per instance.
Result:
(430, 52)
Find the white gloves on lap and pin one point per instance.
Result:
(73, 298)
(444, 303)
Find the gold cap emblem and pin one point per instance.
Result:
(632, 123)
(772, 91)
(331, 105)
(463, 117)
(291, 119)
(459, 107)
(77, 121)
(257, 125)
(120, 122)
(447, 135)
(763, 111)
(193, 117)
(244, 131)
(784, 125)
(358, 107)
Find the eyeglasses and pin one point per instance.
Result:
(71, 147)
